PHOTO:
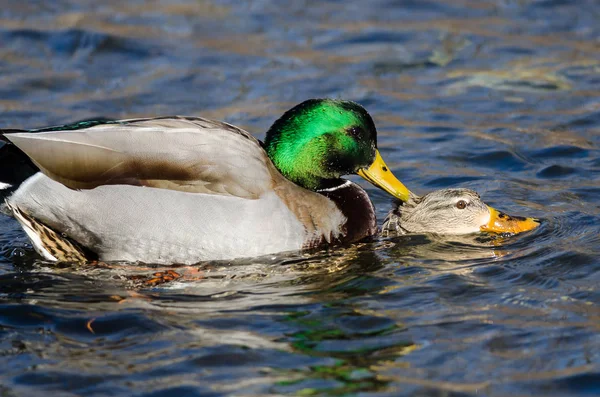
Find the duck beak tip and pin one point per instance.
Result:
(379, 175)
(502, 223)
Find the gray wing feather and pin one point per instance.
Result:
(187, 154)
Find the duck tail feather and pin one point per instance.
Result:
(15, 168)
(3, 131)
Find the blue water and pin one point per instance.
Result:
(499, 96)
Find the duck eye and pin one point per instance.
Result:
(355, 132)
(461, 204)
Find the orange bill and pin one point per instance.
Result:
(379, 175)
(503, 223)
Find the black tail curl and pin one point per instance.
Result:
(15, 166)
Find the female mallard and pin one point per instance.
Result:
(452, 211)
(182, 189)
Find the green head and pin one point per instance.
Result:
(323, 139)
(320, 140)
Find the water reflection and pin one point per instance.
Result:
(495, 96)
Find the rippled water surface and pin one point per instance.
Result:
(499, 96)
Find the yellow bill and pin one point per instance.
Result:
(503, 223)
(379, 175)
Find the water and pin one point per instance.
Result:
(498, 96)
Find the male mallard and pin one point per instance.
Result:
(452, 211)
(185, 189)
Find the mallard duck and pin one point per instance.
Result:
(452, 211)
(186, 189)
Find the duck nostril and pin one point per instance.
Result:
(518, 218)
(384, 169)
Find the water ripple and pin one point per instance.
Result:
(497, 96)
